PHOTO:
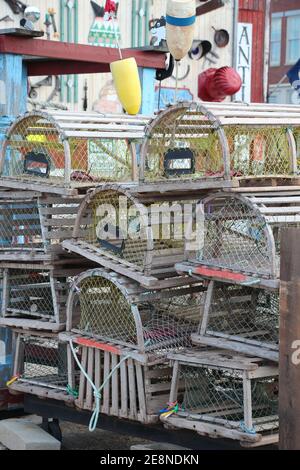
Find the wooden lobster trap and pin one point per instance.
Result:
(138, 235)
(44, 366)
(130, 385)
(242, 319)
(105, 306)
(40, 366)
(32, 225)
(225, 395)
(202, 142)
(236, 238)
(61, 152)
(34, 295)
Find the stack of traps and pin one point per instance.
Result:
(109, 318)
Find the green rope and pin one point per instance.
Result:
(97, 392)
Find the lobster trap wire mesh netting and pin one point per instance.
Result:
(35, 150)
(107, 216)
(245, 312)
(20, 226)
(30, 293)
(234, 237)
(103, 311)
(184, 129)
(100, 159)
(44, 362)
(258, 151)
(217, 395)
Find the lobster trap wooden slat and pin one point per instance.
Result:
(242, 319)
(141, 240)
(223, 397)
(34, 295)
(108, 307)
(66, 153)
(238, 236)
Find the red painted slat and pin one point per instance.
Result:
(96, 345)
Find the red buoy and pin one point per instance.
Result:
(216, 84)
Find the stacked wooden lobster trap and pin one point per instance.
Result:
(140, 262)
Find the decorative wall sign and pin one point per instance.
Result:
(168, 96)
(244, 60)
(157, 28)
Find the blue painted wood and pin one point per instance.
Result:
(13, 85)
(13, 102)
(147, 77)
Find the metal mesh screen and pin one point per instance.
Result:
(252, 314)
(35, 150)
(102, 311)
(217, 396)
(234, 237)
(178, 131)
(100, 160)
(44, 362)
(30, 293)
(257, 151)
(20, 226)
(108, 217)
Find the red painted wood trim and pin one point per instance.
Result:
(76, 52)
(94, 344)
(61, 67)
(224, 274)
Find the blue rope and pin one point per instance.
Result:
(247, 430)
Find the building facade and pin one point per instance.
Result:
(284, 49)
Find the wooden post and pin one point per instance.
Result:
(289, 366)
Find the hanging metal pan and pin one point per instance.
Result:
(221, 37)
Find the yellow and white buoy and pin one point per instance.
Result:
(180, 19)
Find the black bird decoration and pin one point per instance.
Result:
(98, 10)
(16, 6)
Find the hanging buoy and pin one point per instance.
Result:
(180, 18)
(127, 83)
(216, 84)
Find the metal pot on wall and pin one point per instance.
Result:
(222, 37)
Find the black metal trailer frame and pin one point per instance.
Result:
(60, 411)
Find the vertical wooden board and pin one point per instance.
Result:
(124, 390)
(71, 368)
(97, 368)
(132, 390)
(289, 357)
(90, 370)
(247, 401)
(106, 389)
(17, 351)
(174, 383)
(82, 381)
(114, 386)
(141, 393)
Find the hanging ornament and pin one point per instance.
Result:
(180, 18)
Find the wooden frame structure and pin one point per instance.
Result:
(209, 409)
(34, 295)
(238, 236)
(105, 306)
(61, 152)
(241, 319)
(228, 141)
(140, 239)
(33, 224)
